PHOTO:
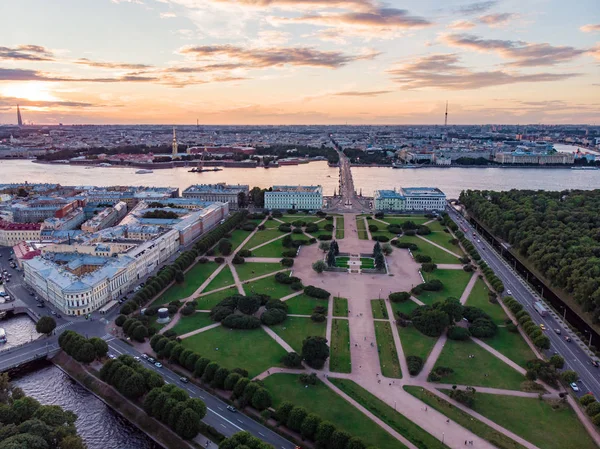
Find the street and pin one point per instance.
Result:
(575, 357)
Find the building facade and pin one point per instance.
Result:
(222, 192)
(13, 233)
(294, 197)
(410, 199)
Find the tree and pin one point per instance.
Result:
(219, 379)
(557, 361)
(376, 249)
(380, 261)
(249, 391)
(335, 246)
(324, 433)
(296, 418)
(261, 400)
(587, 399)
(356, 443)
(197, 405)
(324, 246)
(387, 249)
(248, 304)
(319, 266)
(240, 386)
(569, 376)
(86, 353)
(231, 380)
(210, 371)
(315, 351)
(339, 439)
(292, 360)
(179, 277)
(188, 424)
(283, 412)
(45, 325)
(331, 257)
(100, 346)
(430, 321)
(309, 426)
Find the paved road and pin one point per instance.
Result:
(348, 201)
(576, 359)
(217, 416)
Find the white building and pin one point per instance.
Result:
(407, 199)
(294, 197)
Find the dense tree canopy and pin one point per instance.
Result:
(558, 232)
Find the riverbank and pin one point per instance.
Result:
(159, 433)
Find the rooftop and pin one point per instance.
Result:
(298, 189)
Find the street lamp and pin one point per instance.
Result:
(590, 341)
(564, 312)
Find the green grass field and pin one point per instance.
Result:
(405, 307)
(379, 309)
(479, 298)
(480, 429)
(252, 350)
(340, 360)
(367, 262)
(263, 236)
(223, 279)
(405, 427)
(268, 286)
(360, 229)
(208, 301)
(400, 219)
(339, 227)
(511, 345)
(427, 249)
(340, 307)
(455, 282)
(536, 421)
(484, 370)
(190, 323)
(193, 279)
(237, 237)
(319, 399)
(341, 262)
(443, 239)
(415, 343)
(388, 356)
(295, 329)
(304, 304)
(273, 249)
(250, 270)
(305, 218)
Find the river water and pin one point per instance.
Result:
(450, 180)
(98, 424)
(19, 329)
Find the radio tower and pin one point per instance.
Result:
(19, 118)
(446, 115)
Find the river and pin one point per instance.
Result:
(368, 179)
(98, 424)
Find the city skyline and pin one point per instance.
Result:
(300, 62)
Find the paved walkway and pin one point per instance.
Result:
(198, 331)
(439, 246)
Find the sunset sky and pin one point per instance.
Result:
(300, 61)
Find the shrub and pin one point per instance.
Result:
(587, 399)
(318, 317)
(235, 321)
(292, 360)
(593, 409)
(458, 333)
(245, 253)
(328, 227)
(188, 310)
(428, 267)
(219, 260)
(316, 292)
(381, 238)
(273, 316)
(373, 228)
(325, 237)
(289, 253)
(238, 260)
(287, 262)
(399, 296)
(415, 364)
(225, 247)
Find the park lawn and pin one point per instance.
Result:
(367, 262)
(404, 426)
(473, 371)
(237, 237)
(193, 279)
(223, 279)
(479, 428)
(340, 360)
(511, 345)
(304, 304)
(268, 286)
(479, 298)
(252, 350)
(295, 329)
(208, 301)
(192, 322)
(339, 227)
(415, 343)
(443, 239)
(427, 249)
(399, 220)
(388, 356)
(382, 231)
(536, 421)
(340, 306)
(360, 229)
(323, 401)
(321, 232)
(262, 237)
(274, 249)
(308, 219)
(437, 226)
(250, 270)
(405, 307)
(455, 282)
(379, 309)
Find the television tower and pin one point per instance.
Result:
(19, 118)
(174, 145)
(446, 115)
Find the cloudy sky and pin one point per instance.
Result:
(300, 61)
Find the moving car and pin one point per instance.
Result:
(184, 379)
(111, 356)
(595, 363)
(543, 326)
(568, 339)
(158, 365)
(508, 292)
(232, 409)
(558, 331)
(574, 386)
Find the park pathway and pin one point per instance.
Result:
(439, 246)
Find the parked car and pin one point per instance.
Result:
(151, 360)
(232, 409)
(111, 356)
(558, 331)
(136, 358)
(158, 365)
(41, 304)
(58, 315)
(574, 386)
(145, 356)
(184, 379)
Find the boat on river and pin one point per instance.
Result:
(143, 172)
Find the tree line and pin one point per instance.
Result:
(556, 232)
